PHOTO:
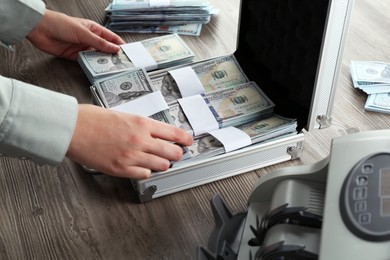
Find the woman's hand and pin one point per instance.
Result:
(124, 145)
(64, 36)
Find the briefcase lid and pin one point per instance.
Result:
(291, 49)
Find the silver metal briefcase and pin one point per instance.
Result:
(292, 49)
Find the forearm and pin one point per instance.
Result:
(35, 123)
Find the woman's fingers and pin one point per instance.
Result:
(170, 133)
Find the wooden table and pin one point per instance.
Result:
(66, 213)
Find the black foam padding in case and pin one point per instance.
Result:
(279, 46)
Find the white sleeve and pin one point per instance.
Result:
(35, 123)
(18, 18)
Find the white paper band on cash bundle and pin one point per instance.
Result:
(146, 105)
(198, 114)
(139, 55)
(232, 138)
(157, 3)
(187, 81)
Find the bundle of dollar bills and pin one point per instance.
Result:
(117, 89)
(230, 106)
(166, 51)
(373, 77)
(213, 74)
(164, 16)
(259, 130)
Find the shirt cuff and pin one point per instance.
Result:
(38, 123)
(20, 17)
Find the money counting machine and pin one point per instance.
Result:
(337, 208)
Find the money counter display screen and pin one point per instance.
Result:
(279, 46)
(385, 191)
(365, 198)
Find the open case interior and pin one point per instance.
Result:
(280, 47)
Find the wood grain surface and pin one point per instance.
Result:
(67, 213)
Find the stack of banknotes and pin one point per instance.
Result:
(259, 130)
(184, 17)
(230, 96)
(167, 51)
(373, 77)
(123, 87)
(231, 106)
(213, 74)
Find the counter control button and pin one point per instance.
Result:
(367, 168)
(365, 218)
(361, 180)
(360, 193)
(360, 206)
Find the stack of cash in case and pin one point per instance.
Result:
(184, 17)
(373, 77)
(166, 51)
(233, 99)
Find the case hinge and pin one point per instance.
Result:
(295, 151)
(324, 121)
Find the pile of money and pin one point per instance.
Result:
(148, 16)
(213, 74)
(373, 77)
(123, 87)
(182, 29)
(230, 106)
(167, 51)
(233, 100)
(259, 130)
